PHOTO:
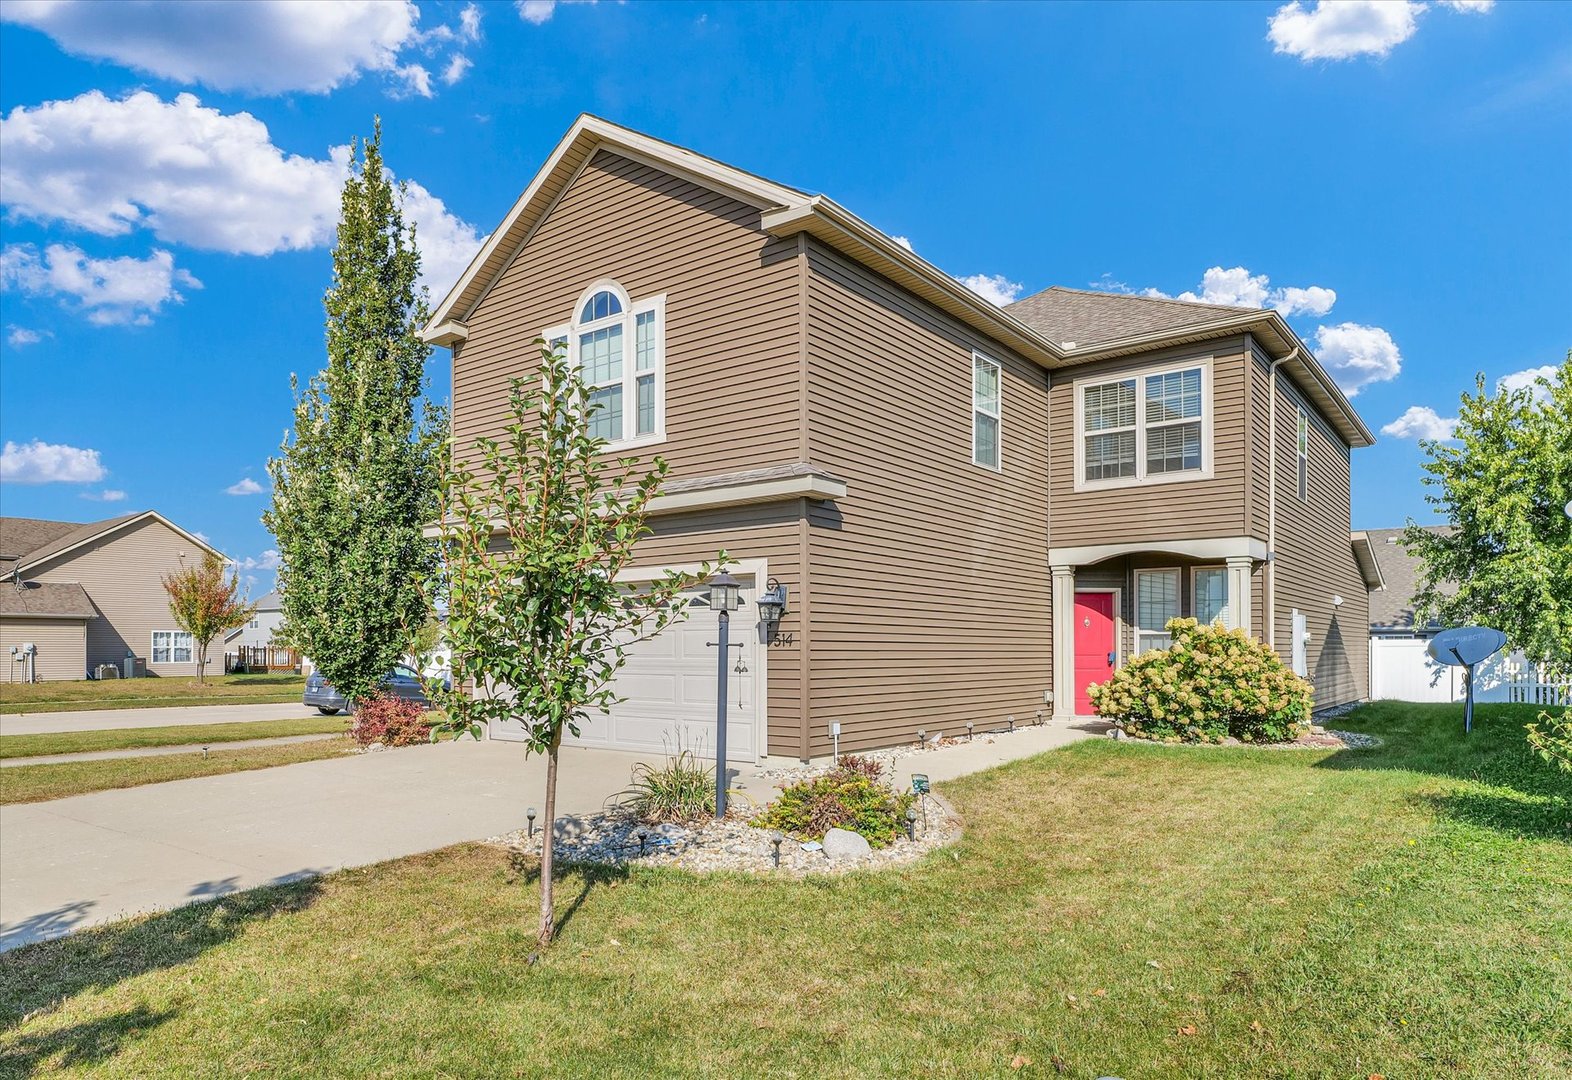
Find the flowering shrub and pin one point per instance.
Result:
(850, 796)
(390, 721)
(1210, 684)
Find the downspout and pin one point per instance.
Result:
(1271, 499)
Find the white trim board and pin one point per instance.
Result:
(1209, 549)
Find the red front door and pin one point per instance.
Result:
(1095, 650)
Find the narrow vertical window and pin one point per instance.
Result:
(1110, 430)
(1156, 601)
(986, 411)
(1303, 443)
(1209, 595)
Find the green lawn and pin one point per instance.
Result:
(1121, 910)
(75, 742)
(149, 693)
(37, 783)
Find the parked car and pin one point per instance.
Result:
(401, 682)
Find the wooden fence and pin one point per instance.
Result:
(260, 659)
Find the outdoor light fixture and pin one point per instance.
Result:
(776, 836)
(642, 837)
(1039, 718)
(772, 603)
(911, 822)
(968, 731)
(725, 592)
(1011, 721)
(922, 737)
(1337, 600)
(530, 814)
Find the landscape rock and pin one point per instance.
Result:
(843, 845)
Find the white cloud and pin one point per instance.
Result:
(268, 560)
(1342, 29)
(107, 495)
(536, 11)
(469, 23)
(246, 486)
(413, 80)
(22, 336)
(994, 288)
(110, 292)
(905, 243)
(1529, 380)
(456, 69)
(1238, 287)
(39, 462)
(1421, 422)
(194, 176)
(266, 46)
(1356, 355)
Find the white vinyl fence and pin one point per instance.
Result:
(1401, 670)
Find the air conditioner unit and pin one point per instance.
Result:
(106, 671)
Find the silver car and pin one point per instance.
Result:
(401, 682)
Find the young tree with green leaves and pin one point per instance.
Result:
(1504, 483)
(536, 535)
(205, 604)
(357, 478)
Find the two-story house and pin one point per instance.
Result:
(976, 511)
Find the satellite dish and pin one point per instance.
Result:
(1464, 647)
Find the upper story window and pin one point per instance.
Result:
(987, 402)
(1149, 426)
(1302, 442)
(620, 348)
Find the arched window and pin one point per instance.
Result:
(619, 346)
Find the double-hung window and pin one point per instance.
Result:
(987, 400)
(1156, 601)
(1151, 425)
(1302, 443)
(171, 647)
(619, 347)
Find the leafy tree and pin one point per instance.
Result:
(1504, 487)
(531, 548)
(205, 604)
(357, 478)
(1551, 738)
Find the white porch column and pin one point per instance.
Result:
(1063, 643)
(1239, 592)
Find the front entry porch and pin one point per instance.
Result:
(1111, 602)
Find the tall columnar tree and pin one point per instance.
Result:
(357, 477)
(205, 604)
(535, 535)
(1504, 484)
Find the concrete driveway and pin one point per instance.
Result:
(107, 719)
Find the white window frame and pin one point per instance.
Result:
(1135, 610)
(1140, 375)
(152, 651)
(1226, 614)
(1302, 454)
(997, 416)
(628, 317)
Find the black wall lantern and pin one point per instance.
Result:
(772, 604)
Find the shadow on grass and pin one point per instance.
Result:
(79, 1044)
(524, 869)
(41, 976)
(1497, 781)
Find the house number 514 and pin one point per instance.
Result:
(783, 637)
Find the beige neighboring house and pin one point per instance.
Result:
(975, 511)
(86, 594)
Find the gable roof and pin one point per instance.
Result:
(27, 542)
(1392, 608)
(1075, 317)
(787, 211)
(45, 599)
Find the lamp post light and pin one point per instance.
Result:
(725, 597)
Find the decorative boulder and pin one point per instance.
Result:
(843, 845)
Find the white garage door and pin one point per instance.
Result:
(668, 684)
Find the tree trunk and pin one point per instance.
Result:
(202, 665)
(548, 914)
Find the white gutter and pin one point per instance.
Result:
(1269, 585)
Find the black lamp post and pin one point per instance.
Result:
(725, 597)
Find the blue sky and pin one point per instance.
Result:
(169, 181)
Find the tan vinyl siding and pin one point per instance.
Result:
(61, 648)
(122, 573)
(1315, 559)
(930, 579)
(1184, 510)
(731, 313)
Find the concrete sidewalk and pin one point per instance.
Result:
(159, 751)
(75, 862)
(112, 719)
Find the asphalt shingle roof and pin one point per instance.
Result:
(30, 539)
(45, 598)
(1085, 317)
(1392, 608)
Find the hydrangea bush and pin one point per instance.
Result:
(1210, 684)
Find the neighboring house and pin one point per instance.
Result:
(977, 511)
(1400, 668)
(259, 632)
(89, 594)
